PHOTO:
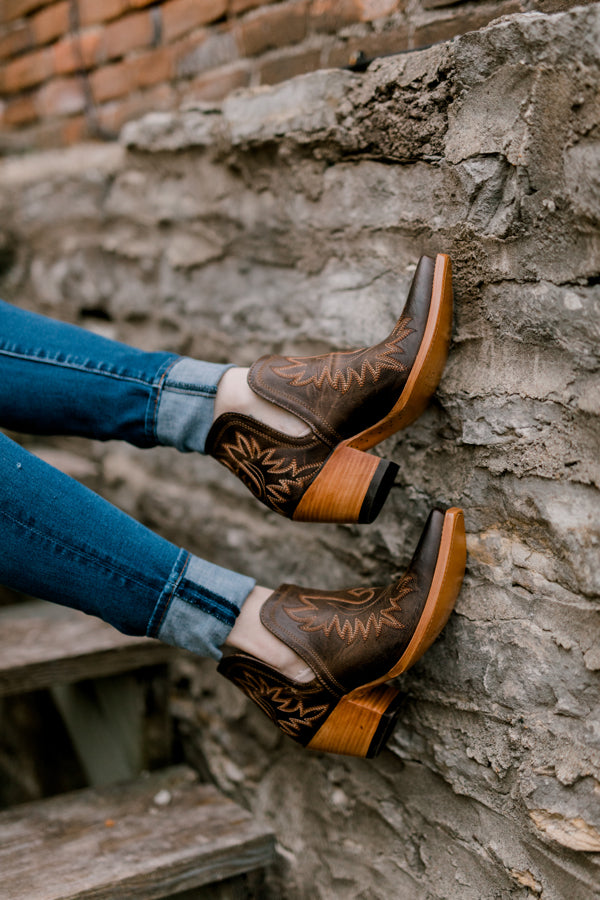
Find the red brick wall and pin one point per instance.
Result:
(78, 69)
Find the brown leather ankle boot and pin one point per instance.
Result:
(354, 641)
(351, 400)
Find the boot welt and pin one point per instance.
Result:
(445, 587)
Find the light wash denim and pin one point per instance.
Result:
(60, 541)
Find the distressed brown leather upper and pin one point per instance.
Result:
(277, 468)
(298, 710)
(350, 638)
(340, 394)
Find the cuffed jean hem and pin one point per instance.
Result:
(187, 402)
(193, 617)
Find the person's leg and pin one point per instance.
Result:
(293, 429)
(63, 543)
(314, 661)
(57, 378)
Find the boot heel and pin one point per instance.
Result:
(351, 487)
(361, 723)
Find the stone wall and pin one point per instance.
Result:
(78, 69)
(291, 218)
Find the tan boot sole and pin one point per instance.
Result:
(427, 370)
(445, 587)
(363, 719)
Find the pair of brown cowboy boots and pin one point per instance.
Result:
(356, 640)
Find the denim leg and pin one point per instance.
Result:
(61, 542)
(57, 378)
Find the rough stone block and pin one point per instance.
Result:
(290, 219)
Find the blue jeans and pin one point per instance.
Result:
(59, 540)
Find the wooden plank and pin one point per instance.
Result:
(105, 720)
(43, 644)
(119, 843)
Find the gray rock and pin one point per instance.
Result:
(290, 219)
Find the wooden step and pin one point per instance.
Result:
(151, 838)
(42, 644)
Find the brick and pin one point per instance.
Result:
(119, 79)
(19, 111)
(181, 16)
(132, 32)
(26, 71)
(51, 22)
(237, 7)
(272, 27)
(79, 51)
(15, 40)
(331, 15)
(152, 67)
(92, 12)
(16, 9)
(216, 84)
(288, 65)
(379, 9)
(61, 97)
(371, 45)
(74, 130)
(208, 50)
(461, 22)
(112, 116)
(110, 82)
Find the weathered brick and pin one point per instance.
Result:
(74, 130)
(45, 135)
(152, 67)
(236, 7)
(19, 111)
(286, 65)
(378, 9)
(272, 27)
(370, 46)
(331, 15)
(51, 22)
(181, 16)
(119, 79)
(204, 50)
(216, 84)
(15, 9)
(112, 116)
(132, 32)
(91, 12)
(111, 81)
(79, 51)
(61, 97)
(26, 71)
(15, 40)
(461, 22)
